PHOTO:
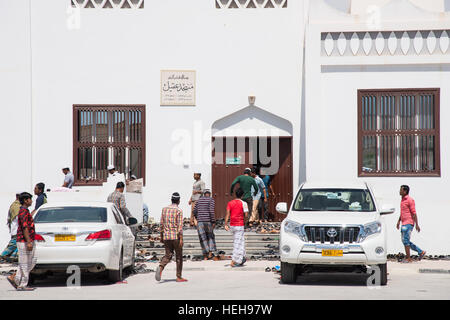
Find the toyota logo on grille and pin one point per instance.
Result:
(332, 232)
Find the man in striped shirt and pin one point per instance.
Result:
(118, 198)
(204, 220)
(172, 236)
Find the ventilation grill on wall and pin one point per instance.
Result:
(108, 4)
(250, 4)
(386, 43)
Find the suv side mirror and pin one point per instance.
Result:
(132, 221)
(282, 207)
(387, 209)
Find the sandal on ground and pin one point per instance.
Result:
(13, 283)
(406, 261)
(236, 265)
(25, 289)
(422, 255)
(181, 280)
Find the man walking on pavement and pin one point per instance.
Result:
(408, 218)
(204, 220)
(10, 253)
(197, 190)
(261, 196)
(237, 213)
(245, 183)
(171, 225)
(118, 198)
(25, 245)
(41, 196)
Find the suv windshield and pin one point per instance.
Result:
(334, 200)
(71, 214)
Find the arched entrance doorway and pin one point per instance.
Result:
(252, 137)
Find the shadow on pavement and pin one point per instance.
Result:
(87, 280)
(332, 279)
(168, 280)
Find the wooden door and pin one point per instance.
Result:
(223, 174)
(282, 182)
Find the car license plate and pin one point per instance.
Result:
(332, 253)
(65, 237)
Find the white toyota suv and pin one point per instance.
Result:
(333, 227)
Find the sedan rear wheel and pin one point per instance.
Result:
(133, 262)
(117, 275)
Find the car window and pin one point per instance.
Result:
(117, 215)
(359, 200)
(70, 214)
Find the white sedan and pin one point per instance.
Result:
(90, 235)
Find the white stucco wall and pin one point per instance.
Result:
(15, 103)
(331, 117)
(115, 57)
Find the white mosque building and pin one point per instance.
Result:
(346, 90)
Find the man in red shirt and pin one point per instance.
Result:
(408, 218)
(237, 213)
(25, 244)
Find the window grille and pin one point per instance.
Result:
(250, 4)
(107, 4)
(398, 132)
(105, 135)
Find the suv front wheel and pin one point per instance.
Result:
(383, 274)
(288, 272)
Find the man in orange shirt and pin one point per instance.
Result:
(408, 218)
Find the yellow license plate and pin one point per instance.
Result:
(65, 237)
(332, 253)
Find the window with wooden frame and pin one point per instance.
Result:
(398, 132)
(108, 135)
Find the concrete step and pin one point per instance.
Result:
(225, 236)
(218, 248)
(224, 241)
(227, 252)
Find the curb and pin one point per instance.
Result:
(261, 269)
(435, 271)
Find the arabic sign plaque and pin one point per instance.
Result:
(237, 160)
(178, 88)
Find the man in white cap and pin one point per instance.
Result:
(68, 179)
(171, 229)
(197, 190)
(112, 170)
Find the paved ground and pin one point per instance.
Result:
(215, 280)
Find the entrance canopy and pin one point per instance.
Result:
(251, 122)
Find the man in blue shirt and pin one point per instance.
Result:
(259, 197)
(264, 205)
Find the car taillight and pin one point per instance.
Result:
(38, 237)
(101, 235)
